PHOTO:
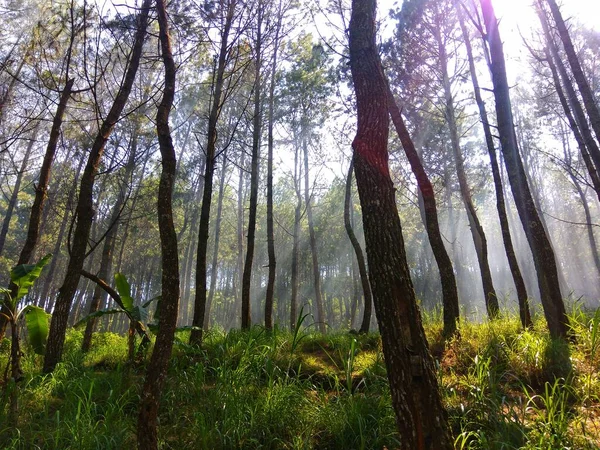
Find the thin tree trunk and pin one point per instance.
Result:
(447, 277)
(147, 433)
(215, 111)
(85, 210)
(316, 270)
(270, 226)
(295, 243)
(587, 95)
(515, 270)
(215, 256)
(247, 275)
(45, 301)
(12, 202)
(577, 119)
(109, 245)
(33, 229)
(362, 267)
(421, 419)
(541, 249)
(477, 233)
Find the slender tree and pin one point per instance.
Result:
(541, 248)
(589, 100)
(515, 270)
(254, 169)
(85, 210)
(215, 112)
(147, 435)
(360, 258)
(447, 277)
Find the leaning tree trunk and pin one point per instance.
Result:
(12, 202)
(33, 229)
(256, 125)
(362, 267)
(577, 120)
(447, 277)
(147, 433)
(541, 248)
(215, 112)
(421, 418)
(585, 90)
(477, 233)
(109, 246)
(511, 256)
(85, 205)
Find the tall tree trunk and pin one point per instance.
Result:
(447, 277)
(515, 270)
(362, 267)
(256, 131)
(421, 418)
(109, 245)
(85, 210)
(270, 226)
(577, 119)
(541, 249)
(33, 229)
(296, 241)
(582, 83)
(147, 433)
(215, 256)
(44, 301)
(12, 202)
(240, 231)
(215, 112)
(477, 233)
(316, 270)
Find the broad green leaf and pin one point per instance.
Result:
(25, 275)
(153, 299)
(140, 314)
(104, 312)
(124, 290)
(36, 320)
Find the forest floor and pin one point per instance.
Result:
(503, 388)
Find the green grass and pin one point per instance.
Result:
(504, 388)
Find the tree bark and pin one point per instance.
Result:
(362, 267)
(215, 112)
(247, 275)
(541, 249)
(515, 270)
(147, 433)
(420, 416)
(85, 210)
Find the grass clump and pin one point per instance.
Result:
(504, 388)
